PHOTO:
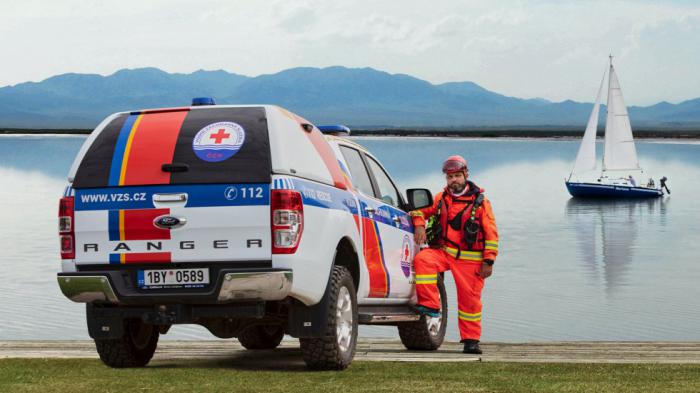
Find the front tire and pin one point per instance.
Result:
(134, 349)
(336, 349)
(427, 333)
(262, 337)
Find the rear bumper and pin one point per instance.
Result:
(231, 285)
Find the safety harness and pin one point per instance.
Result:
(470, 228)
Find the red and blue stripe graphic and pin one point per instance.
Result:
(346, 175)
(115, 171)
(379, 282)
(137, 224)
(143, 145)
(373, 248)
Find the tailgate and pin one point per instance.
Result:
(176, 186)
(151, 224)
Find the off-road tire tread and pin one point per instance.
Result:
(322, 353)
(120, 353)
(255, 337)
(415, 335)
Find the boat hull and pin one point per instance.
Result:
(597, 190)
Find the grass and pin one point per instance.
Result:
(61, 375)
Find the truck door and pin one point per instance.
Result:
(396, 231)
(378, 278)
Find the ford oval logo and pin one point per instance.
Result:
(169, 222)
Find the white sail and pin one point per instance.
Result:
(586, 157)
(620, 153)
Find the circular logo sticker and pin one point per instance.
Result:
(218, 141)
(406, 252)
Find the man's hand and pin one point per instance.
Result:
(486, 271)
(419, 235)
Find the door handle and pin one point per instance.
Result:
(396, 219)
(181, 197)
(369, 210)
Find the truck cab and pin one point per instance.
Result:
(248, 220)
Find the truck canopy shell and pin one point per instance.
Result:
(129, 148)
(132, 148)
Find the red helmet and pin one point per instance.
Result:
(454, 164)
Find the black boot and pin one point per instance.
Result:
(471, 346)
(422, 310)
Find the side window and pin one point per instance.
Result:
(360, 177)
(387, 191)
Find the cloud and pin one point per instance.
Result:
(294, 17)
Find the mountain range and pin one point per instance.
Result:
(359, 97)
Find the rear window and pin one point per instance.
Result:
(207, 145)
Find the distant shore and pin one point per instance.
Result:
(523, 133)
(495, 132)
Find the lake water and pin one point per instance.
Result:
(568, 270)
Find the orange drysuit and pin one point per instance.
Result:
(453, 253)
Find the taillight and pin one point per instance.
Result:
(66, 230)
(287, 218)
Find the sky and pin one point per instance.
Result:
(555, 50)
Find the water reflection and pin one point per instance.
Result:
(607, 233)
(49, 155)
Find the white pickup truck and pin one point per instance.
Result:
(247, 220)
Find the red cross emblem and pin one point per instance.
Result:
(219, 136)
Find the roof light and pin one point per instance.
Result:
(200, 101)
(335, 129)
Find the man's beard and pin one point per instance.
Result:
(457, 188)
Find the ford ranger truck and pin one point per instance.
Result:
(247, 220)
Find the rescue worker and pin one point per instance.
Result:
(465, 242)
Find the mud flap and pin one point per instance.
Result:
(309, 321)
(103, 325)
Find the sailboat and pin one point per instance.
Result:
(621, 175)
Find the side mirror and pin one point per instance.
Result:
(419, 198)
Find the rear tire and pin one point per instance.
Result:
(427, 333)
(336, 349)
(134, 349)
(262, 337)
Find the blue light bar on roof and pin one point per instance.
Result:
(199, 101)
(335, 129)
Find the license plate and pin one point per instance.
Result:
(173, 278)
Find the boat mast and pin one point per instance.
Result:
(607, 111)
